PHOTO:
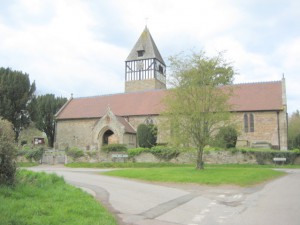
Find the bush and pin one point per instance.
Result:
(226, 138)
(35, 154)
(137, 151)
(8, 154)
(146, 135)
(165, 152)
(74, 152)
(114, 148)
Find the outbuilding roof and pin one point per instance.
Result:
(265, 96)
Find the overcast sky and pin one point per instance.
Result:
(79, 46)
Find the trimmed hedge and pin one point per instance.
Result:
(114, 148)
(74, 152)
(136, 151)
(165, 152)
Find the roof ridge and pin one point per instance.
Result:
(121, 93)
(258, 82)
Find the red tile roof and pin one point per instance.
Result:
(247, 97)
(257, 96)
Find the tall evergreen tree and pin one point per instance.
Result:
(16, 95)
(46, 106)
(147, 135)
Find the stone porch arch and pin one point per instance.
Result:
(108, 122)
(105, 130)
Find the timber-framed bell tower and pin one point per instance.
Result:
(145, 69)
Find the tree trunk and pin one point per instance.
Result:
(200, 163)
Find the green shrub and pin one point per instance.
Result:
(146, 135)
(165, 152)
(227, 137)
(114, 148)
(8, 153)
(137, 151)
(74, 152)
(91, 153)
(35, 154)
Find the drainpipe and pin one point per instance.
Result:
(278, 130)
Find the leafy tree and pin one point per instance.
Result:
(227, 137)
(294, 130)
(46, 106)
(16, 94)
(147, 135)
(7, 153)
(197, 105)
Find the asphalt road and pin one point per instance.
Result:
(141, 203)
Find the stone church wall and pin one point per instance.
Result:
(71, 133)
(79, 133)
(265, 129)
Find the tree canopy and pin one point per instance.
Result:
(46, 106)
(16, 95)
(294, 130)
(197, 104)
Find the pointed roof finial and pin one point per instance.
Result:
(146, 21)
(282, 75)
(108, 107)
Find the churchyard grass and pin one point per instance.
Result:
(166, 164)
(218, 175)
(123, 165)
(42, 199)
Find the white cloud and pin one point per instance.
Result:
(75, 46)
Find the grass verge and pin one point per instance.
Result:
(241, 176)
(41, 199)
(27, 164)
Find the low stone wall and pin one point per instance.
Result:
(216, 157)
(209, 157)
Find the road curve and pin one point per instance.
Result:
(141, 203)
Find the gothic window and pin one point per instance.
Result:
(248, 122)
(149, 121)
(251, 122)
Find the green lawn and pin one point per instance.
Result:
(241, 176)
(41, 199)
(123, 165)
(165, 164)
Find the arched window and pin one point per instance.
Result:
(246, 127)
(251, 122)
(149, 120)
(248, 122)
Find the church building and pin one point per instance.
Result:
(259, 109)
